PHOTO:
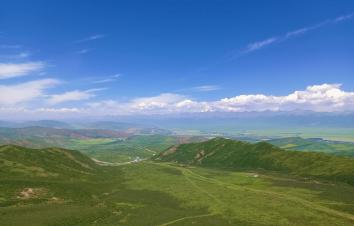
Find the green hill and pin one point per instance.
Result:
(16, 161)
(224, 153)
(61, 187)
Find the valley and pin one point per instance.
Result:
(176, 113)
(58, 187)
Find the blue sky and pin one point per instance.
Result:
(129, 57)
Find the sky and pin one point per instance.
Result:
(106, 58)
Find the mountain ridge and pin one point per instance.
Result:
(230, 154)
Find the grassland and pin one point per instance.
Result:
(70, 189)
(230, 154)
(151, 193)
(127, 149)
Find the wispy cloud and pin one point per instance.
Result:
(24, 92)
(83, 51)
(91, 38)
(11, 70)
(76, 95)
(23, 55)
(295, 33)
(206, 88)
(20, 55)
(112, 78)
(258, 45)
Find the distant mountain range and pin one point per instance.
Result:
(131, 128)
(251, 120)
(314, 145)
(39, 137)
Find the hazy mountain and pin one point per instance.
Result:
(315, 145)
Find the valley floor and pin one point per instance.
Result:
(151, 193)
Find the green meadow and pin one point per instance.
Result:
(150, 193)
(188, 185)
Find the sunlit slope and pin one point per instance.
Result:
(224, 153)
(16, 161)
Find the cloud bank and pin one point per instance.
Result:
(11, 95)
(11, 70)
(316, 98)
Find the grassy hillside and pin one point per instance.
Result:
(224, 153)
(71, 190)
(316, 145)
(16, 161)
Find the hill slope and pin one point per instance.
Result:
(223, 153)
(62, 187)
(16, 161)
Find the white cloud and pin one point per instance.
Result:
(317, 98)
(83, 51)
(20, 55)
(162, 101)
(206, 88)
(292, 34)
(57, 110)
(258, 45)
(91, 38)
(11, 95)
(75, 95)
(23, 55)
(105, 80)
(344, 17)
(112, 78)
(11, 70)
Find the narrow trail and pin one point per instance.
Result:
(103, 163)
(186, 218)
(301, 201)
(201, 189)
(151, 151)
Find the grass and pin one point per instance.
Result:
(162, 193)
(239, 197)
(230, 154)
(151, 193)
(124, 150)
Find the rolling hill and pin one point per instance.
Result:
(229, 154)
(62, 187)
(16, 161)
